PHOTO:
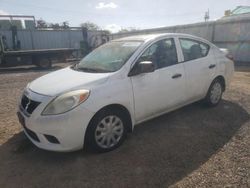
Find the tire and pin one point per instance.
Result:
(101, 136)
(214, 93)
(44, 63)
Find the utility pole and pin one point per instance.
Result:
(206, 17)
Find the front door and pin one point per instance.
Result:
(163, 89)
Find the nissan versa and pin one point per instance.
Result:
(97, 101)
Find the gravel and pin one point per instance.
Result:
(194, 146)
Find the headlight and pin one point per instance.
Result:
(66, 102)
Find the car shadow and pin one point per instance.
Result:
(159, 153)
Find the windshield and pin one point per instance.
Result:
(109, 57)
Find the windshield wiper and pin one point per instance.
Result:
(87, 69)
(74, 66)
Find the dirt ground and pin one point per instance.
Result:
(192, 147)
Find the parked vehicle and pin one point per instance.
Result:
(39, 57)
(96, 102)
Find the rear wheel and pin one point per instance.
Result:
(44, 63)
(106, 132)
(214, 94)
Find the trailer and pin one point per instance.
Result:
(42, 58)
(23, 43)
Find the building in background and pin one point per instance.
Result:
(238, 12)
(20, 21)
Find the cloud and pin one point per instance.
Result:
(2, 12)
(102, 5)
(113, 28)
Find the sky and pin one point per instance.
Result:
(117, 14)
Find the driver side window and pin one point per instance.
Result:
(148, 54)
(162, 53)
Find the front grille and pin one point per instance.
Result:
(29, 105)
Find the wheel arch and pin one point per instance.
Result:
(222, 80)
(115, 107)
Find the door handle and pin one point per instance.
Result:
(212, 66)
(176, 76)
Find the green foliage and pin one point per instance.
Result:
(43, 24)
(90, 26)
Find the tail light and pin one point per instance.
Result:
(227, 53)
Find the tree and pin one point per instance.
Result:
(55, 25)
(107, 32)
(65, 25)
(90, 26)
(41, 23)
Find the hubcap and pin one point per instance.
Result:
(109, 131)
(215, 93)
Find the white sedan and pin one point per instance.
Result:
(97, 101)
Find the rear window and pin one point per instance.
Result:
(193, 49)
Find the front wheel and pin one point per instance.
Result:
(106, 132)
(214, 94)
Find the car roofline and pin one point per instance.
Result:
(148, 37)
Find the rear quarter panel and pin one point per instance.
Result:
(225, 65)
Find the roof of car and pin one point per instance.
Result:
(151, 36)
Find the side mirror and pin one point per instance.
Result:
(146, 66)
(142, 67)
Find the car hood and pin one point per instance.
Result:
(65, 80)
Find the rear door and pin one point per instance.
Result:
(199, 66)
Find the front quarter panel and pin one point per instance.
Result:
(117, 90)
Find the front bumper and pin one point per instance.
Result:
(64, 132)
